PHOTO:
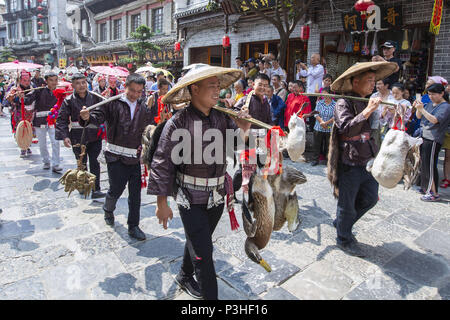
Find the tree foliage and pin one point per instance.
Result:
(7, 55)
(142, 45)
(284, 16)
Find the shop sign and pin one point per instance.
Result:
(378, 17)
(256, 4)
(166, 54)
(100, 59)
(435, 24)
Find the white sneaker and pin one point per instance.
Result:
(46, 166)
(57, 169)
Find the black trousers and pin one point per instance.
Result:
(199, 225)
(358, 193)
(321, 143)
(119, 175)
(429, 155)
(93, 150)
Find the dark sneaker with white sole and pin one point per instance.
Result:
(190, 286)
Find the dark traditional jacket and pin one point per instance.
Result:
(70, 112)
(43, 100)
(163, 171)
(39, 82)
(121, 130)
(350, 122)
(258, 109)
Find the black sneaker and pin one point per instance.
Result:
(190, 286)
(352, 249)
(98, 194)
(136, 233)
(109, 218)
(314, 163)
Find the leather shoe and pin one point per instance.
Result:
(189, 285)
(352, 249)
(98, 194)
(136, 233)
(109, 218)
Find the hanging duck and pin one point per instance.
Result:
(286, 203)
(258, 214)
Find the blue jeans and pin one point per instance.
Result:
(358, 193)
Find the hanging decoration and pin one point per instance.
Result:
(226, 43)
(177, 47)
(361, 6)
(436, 18)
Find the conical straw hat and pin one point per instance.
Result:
(180, 93)
(382, 71)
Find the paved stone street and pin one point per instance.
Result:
(55, 247)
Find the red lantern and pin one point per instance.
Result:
(177, 47)
(40, 16)
(40, 23)
(40, 31)
(304, 33)
(225, 42)
(39, 8)
(40, 1)
(130, 65)
(361, 6)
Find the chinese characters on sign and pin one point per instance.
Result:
(165, 55)
(378, 18)
(435, 24)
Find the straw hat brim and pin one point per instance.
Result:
(180, 93)
(382, 71)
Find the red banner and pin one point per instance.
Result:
(435, 24)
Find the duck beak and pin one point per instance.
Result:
(265, 265)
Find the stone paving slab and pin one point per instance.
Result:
(252, 279)
(318, 282)
(421, 268)
(26, 289)
(388, 286)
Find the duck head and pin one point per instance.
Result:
(252, 252)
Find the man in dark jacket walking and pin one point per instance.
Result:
(68, 115)
(126, 119)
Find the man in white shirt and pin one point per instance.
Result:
(276, 69)
(313, 73)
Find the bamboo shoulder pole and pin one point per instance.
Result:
(233, 113)
(104, 102)
(338, 96)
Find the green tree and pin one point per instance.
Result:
(284, 15)
(142, 45)
(7, 55)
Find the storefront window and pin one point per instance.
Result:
(26, 4)
(12, 5)
(27, 28)
(44, 26)
(135, 22)
(215, 56)
(157, 25)
(12, 30)
(103, 32)
(117, 29)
